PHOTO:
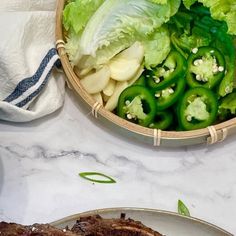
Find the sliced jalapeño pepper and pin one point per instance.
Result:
(174, 67)
(162, 120)
(198, 109)
(168, 96)
(137, 104)
(206, 67)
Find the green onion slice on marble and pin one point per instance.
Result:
(91, 176)
(182, 209)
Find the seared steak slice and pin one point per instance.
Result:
(12, 229)
(97, 226)
(85, 226)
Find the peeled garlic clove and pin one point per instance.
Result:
(96, 82)
(113, 100)
(84, 72)
(110, 88)
(105, 98)
(135, 52)
(125, 65)
(122, 69)
(98, 97)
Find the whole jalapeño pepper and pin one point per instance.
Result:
(137, 104)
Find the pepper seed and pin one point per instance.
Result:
(227, 90)
(194, 50)
(189, 118)
(129, 116)
(221, 68)
(127, 103)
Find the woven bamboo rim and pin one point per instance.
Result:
(209, 135)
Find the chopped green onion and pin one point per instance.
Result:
(108, 180)
(182, 209)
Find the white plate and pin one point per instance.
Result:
(167, 223)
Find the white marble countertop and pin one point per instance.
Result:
(40, 162)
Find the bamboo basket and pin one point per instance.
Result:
(209, 135)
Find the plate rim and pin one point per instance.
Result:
(139, 209)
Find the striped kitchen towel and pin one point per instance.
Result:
(30, 87)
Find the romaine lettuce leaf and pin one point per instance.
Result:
(77, 13)
(117, 24)
(174, 6)
(72, 45)
(75, 17)
(228, 104)
(159, 1)
(224, 10)
(156, 47)
(188, 3)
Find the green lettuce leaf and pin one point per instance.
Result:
(188, 3)
(187, 31)
(159, 1)
(77, 13)
(227, 107)
(174, 6)
(72, 45)
(156, 47)
(228, 104)
(223, 10)
(75, 17)
(187, 42)
(117, 24)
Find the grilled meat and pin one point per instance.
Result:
(85, 226)
(12, 229)
(97, 226)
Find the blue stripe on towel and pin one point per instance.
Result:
(36, 92)
(27, 83)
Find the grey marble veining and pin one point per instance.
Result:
(40, 162)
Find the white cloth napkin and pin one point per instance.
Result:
(30, 87)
